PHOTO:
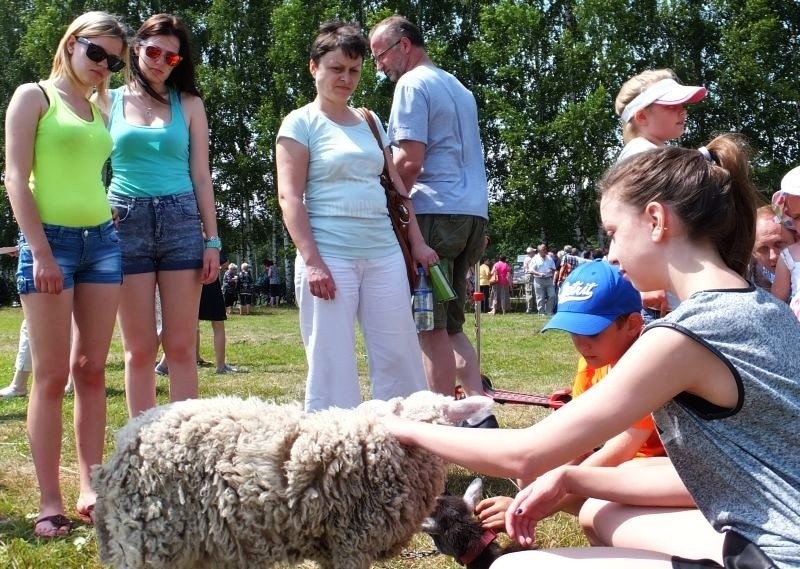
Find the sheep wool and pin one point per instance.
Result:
(233, 483)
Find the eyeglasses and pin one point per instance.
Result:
(377, 56)
(98, 54)
(170, 57)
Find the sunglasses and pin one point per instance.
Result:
(154, 52)
(98, 54)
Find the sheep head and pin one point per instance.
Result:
(430, 407)
(452, 525)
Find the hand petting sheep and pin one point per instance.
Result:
(233, 483)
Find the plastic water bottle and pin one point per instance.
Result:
(423, 303)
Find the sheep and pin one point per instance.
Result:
(233, 483)
(458, 533)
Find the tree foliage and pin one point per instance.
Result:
(545, 74)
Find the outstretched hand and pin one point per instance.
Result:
(532, 504)
(492, 512)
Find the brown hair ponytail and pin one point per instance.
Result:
(714, 199)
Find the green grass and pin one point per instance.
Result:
(268, 349)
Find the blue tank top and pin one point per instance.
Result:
(149, 161)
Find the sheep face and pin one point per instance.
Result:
(453, 526)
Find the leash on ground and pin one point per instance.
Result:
(419, 554)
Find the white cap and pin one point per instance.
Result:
(530, 250)
(790, 184)
(664, 92)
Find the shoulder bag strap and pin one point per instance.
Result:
(374, 128)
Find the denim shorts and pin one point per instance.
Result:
(85, 255)
(159, 233)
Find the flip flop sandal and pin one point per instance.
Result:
(61, 526)
(86, 516)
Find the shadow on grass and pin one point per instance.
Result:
(12, 416)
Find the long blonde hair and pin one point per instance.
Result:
(632, 88)
(89, 25)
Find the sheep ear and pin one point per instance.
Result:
(473, 406)
(430, 526)
(473, 494)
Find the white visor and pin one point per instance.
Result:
(664, 92)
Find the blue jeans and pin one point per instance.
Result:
(84, 254)
(159, 233)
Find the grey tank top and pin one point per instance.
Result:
(742, 465)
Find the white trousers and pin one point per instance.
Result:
(375, 292)
(24, 362)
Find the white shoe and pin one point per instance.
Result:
(227, 369)
(9, 393)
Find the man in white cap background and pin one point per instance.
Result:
(530, 297)
(652, 108)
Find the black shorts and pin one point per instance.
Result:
(212, 305)
(245, 298)
(230, 297)
(737, 553)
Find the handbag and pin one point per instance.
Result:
(396, 206)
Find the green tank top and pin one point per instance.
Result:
(68, 157)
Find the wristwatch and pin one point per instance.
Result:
(213, 242)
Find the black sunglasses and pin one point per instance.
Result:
(98, 54)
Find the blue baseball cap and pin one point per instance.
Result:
(591, 298)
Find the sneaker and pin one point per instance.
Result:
(9, 393)
(227, 369)
(70, 388)
(162, 370)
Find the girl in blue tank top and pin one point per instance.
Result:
(161, 189)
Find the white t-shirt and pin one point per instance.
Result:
(635, 146)
(345, 202)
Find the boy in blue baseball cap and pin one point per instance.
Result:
(602, 313)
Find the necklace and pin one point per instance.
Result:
(149, 101)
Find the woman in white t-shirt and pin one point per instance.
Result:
(349, 265)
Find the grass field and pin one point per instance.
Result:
(267, 348)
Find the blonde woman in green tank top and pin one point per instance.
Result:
(69, 262)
